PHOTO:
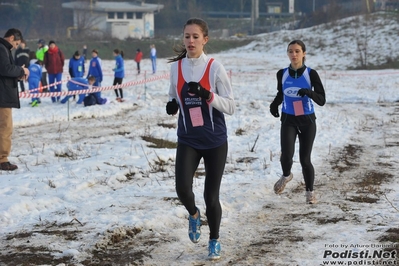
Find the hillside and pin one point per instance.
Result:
(355, 42)
(365, 42)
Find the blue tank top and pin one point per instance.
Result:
(292, 103)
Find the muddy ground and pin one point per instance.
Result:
(357, 176)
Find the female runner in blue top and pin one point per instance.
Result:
(294, 91)
(200, 89)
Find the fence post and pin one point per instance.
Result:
(68, 109)
(145, 86)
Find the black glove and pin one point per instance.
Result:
(172, 107)
(303, 92)
(274, 109)
(197, 89)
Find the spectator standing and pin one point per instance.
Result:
(76, 66)
(119, 73)
(84, 52)
(35, 69)
(137, 59)
(22, 59)
(153, 56)
(32, 57)
(9, 96)
(41, 50)
(54, 62)
(95, 69)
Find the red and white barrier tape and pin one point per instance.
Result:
(90, 90)
(47, 86)
(155, 78)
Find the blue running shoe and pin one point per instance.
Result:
(214, 249)
(194, 227)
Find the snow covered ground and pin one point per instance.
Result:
(90, 190)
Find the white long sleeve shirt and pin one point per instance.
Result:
(193, 70)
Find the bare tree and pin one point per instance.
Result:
(85, 22)
(27, 10)
(362, 43)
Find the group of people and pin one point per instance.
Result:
(49, 59)
(78, 82)
(200, 93)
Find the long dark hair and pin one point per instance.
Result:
(117, 51)
(180, 50)
(300, 43)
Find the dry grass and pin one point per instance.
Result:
(159, 143)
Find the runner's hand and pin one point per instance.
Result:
(197, 89)
(172, 107)
(274, 110)
(304, 92)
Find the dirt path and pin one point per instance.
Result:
(355, 179)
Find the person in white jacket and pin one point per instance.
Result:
(200, 91)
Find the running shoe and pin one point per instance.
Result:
(310, 197)
(280, 184)
(194, 227)
(214, 249)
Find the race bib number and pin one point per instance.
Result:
(196, 117)
(298, 108)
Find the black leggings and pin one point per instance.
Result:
(306, 136)
(187, 160)
(118, 81)
(43, 80)
(22, 85)
(138, 67)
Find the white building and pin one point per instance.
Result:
(119, 20)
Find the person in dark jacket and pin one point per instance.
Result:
(54, 62)
(9, 96)
(22, 59)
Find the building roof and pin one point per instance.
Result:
(113, 6)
